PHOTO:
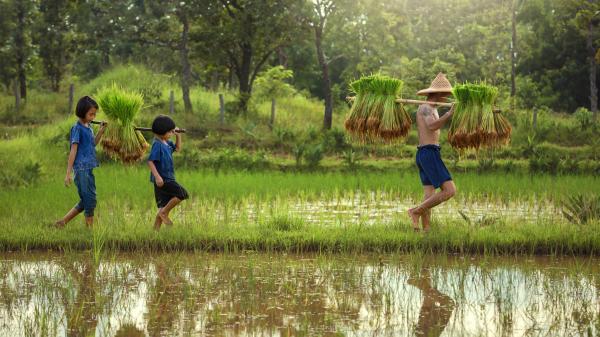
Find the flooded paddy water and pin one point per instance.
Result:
(254, 294)
(372, 208)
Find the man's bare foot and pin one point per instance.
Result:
(414, 216)
(59, 224)
(165, 219)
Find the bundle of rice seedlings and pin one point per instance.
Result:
(121, 140)
(474, 123)
(375, 115)
(503, 129)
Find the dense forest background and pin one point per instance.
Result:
(544, 53)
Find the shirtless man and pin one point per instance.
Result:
(432, 170)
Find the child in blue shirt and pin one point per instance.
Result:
(82, 160)
(167, 192)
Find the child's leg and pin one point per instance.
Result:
(86, 187)
(89, 221)
(158, 220)
(73, 212)
(164, 212)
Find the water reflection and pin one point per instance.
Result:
(436, 307)
(281, 295)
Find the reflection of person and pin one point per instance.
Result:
(129, 330)
(164, 301)
(432, 170)
(436, 308)
(82, 314)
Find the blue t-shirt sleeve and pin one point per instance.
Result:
(75, 135)
(154, 152)
(172, 146)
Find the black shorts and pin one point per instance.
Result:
(170, 190)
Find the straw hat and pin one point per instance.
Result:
(439, 84)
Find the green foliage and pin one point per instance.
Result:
(222, 160)
(581, 208)
(313, 155)
(351, 158)
(284, 223)
(271, 83)
(585, 118)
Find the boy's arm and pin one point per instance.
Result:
(434, 123)
(70, 161)
(100, 133)
(157, 178)
(178, 142)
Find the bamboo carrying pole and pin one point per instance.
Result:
(416, 101)
(140, 128)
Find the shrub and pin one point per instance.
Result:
(313, 155)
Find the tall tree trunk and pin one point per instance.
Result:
(21, 56)
(327, 118)
(244, 77)
(186, 70)
(593, 69)
(513, 52)
(230, 78)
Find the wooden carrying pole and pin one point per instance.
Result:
(416, 101)
(140, 128)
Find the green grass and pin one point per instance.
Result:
(240, 211)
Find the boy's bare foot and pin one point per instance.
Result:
(165, 219)
(414, 216)
(59, 224)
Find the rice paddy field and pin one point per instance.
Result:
(305, 212)
(291, 250)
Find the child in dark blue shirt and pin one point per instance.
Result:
(167, 192)
(82, 160)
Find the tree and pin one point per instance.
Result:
(53, 40)
(170, 25)
(22, 10)
(7, 68)
(248, 33)
(271, 85)
(322, 10)
(587, 19)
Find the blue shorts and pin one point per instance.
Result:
(86, 187)
(431, 167)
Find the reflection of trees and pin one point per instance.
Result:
(81, 310)
(436, 307)
(164, 298)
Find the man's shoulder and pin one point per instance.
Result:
(425, 109)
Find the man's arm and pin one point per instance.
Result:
(433, 122)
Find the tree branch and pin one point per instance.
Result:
(260, 64)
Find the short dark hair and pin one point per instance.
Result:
(162, 124)
(84, 105)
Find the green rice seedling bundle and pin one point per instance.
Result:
(475, 124)
(121, 140)
(503, 129)
(375, 115)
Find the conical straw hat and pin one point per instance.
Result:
(439, 84)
